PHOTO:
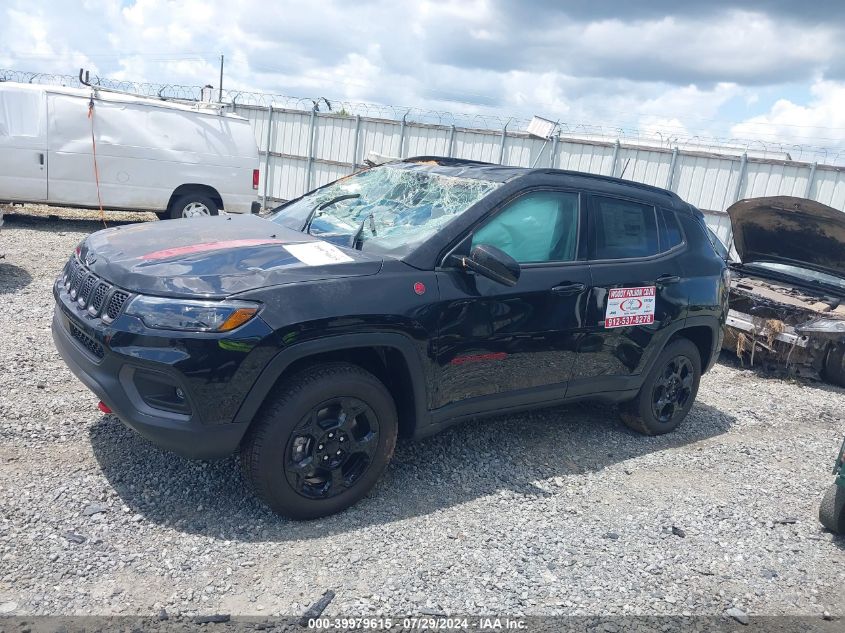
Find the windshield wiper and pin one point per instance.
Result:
(306, 228)
(356, 242)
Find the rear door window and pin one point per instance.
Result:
(622, 229)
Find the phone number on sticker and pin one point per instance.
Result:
(379, 624)
(623, 321)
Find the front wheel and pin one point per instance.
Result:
(193, 206)
(834, 365)
(668, 392)
(321, 441)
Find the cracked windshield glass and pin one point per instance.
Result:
(388, 209)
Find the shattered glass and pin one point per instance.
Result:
(398, 207)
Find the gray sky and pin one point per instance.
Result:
(766, 70)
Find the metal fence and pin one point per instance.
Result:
(303, 149)
(305, 143)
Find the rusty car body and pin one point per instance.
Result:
(787, 296)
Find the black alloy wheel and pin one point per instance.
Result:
(331, 448)
(672, 389)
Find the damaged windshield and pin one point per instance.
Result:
(388, 209)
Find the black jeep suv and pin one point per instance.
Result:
(395, 301)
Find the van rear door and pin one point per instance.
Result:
(23, 144)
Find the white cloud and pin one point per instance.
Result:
(678, 74)
(819, 122)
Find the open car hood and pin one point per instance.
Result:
(789, 230)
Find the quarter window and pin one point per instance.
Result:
(623, 229)
(671, 235)
(536, 227)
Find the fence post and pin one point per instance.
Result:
(743, 162)
(810, 179)
(311, 126)
(615, 158)
(402, 136)
(267, 155)
(451, 140)
(357, 139)
(553, 155)
(502, 144)
(671, 176)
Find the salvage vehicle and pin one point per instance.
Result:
(395, 301)
(832, 508)
(787, 297)
(97, 148)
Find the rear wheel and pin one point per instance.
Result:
(321, 441)
(832, 509)
(193, 205)
(668, 392)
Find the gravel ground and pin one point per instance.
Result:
(562, 511)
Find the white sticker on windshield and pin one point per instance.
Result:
(317, 253)
(629, 306)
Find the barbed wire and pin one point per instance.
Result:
(667, 139)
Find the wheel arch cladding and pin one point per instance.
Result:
(702, 337)
(195, 188)
(393, 362)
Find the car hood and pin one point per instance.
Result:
(216, 257)
(790, 230)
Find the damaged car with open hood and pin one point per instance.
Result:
(392, 302)
(787, 301)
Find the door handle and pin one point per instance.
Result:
(568, 288)
(41, 158)
(667, 279)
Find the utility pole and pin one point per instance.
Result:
(220, 94)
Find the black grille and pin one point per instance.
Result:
(85, 289)
(98, 296)
(116, 304)
(90, 344)
(75, 282)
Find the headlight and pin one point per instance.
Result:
(823, 325)
(193, 316)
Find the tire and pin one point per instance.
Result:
(832, 509)
(193, 204)
(294, 454)
(673, 380)
(834, 365)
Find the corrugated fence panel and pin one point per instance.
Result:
(323, 173)
(829, 187)
(476, 145)
(287, 177)
(522, 151)
(645, 166)
(290, 132)
(334, 138)
(590, 158)
(772, 179)
(380, 137)
(426, 141)
(706, 182)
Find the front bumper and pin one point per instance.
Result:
(209, 427)
(170, 431)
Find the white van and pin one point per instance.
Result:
(175, 159)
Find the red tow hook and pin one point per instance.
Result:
(102, 406)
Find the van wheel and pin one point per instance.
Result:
(320, 441)
(668, 391)
(193, 206)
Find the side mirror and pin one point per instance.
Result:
(492, 263)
